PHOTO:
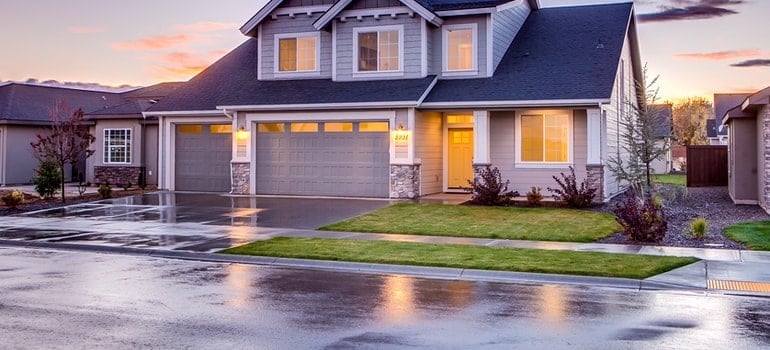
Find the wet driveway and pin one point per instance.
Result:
(59, 299)
(181, 221)
(213, 209)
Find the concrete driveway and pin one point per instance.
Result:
(181, 221)
(217, 209)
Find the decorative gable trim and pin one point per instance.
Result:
(338, 7)
(254, 21)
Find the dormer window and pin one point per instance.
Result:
(460, 48)
(378, 49)
(297, 52)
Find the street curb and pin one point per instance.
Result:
(358, 267)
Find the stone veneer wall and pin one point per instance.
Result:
(117, 175)
(405, 181)
(595, 179)
(241, 178)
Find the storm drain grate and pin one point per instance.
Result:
(739, 286)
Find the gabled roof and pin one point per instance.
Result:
(132, 107)
(663, 114)
(560, 54)
(232, 81)
(153, 92)
(726, 102)
(759, 98)
(449, 5)
(30, 104)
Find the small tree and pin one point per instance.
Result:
(68, 141)
(638, 138)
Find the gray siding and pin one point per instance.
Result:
(481, 41)
(20, 164)
(301, 23)
(505, 26)
(430, 52)
(623, 93)
(411, 50)
(150, 150)
(743, 160)
(301, 3)
(503, 153)
(371, 4)
(428, 136)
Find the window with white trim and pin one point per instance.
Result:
(117, 146)
(544, 138)
(378, 49)
(297, 52)
(460, 47)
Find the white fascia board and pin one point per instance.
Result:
(333, 11)
(422, 11)
(252, 23)
(322, 106)
(466, 12)
(183, 113)
(515, 104)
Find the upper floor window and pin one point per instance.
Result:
(378, 49)
(459, 47)
(544, 138)
(117, 146)
(297, 52)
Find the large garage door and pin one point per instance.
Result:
(202, 158)
(323, 159)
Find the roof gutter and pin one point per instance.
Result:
(518, 104)
(182, 113)
(322, 106)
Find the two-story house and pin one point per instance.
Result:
(399, 99)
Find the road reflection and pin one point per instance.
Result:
(397, 295)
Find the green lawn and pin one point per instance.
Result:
(465, 256)
(540, 224)
(754, 235)
(678, 180)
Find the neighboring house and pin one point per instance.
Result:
(747, 118)
(402, 99)
(127, 143)
(716, 133)
(662, 132)
(24, 113)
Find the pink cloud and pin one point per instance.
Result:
(153, 43)
(201, 27)
(86, 30)
(182, 65)
(719, 56)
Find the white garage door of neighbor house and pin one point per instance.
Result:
(202, 157)
(348, 159)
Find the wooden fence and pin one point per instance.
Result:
(706, 166)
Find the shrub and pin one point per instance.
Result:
(698, 228)
(126, 185)
(13, 199)
(48, 179)
(489, 189)
(570, 193)
(641, 218)
(105, 190)
(534, 196)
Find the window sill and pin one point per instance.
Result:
(458, 73)
(383, 74)
(564, 166)
(292, 75)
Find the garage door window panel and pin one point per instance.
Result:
(117, 146)
(304, 127)
(270, 127)
(373, 127)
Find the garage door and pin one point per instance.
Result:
(323, 159)
(202, 157)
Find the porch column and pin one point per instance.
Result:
(240, 166)
(594, 166)
(481, 138)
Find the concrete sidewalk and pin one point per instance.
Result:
(723, 270)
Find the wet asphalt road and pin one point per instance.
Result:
(60, 299)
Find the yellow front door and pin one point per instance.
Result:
(460, 160)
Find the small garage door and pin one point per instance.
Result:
(202, 157)
(323, 159)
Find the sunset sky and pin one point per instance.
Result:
(698, 47)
